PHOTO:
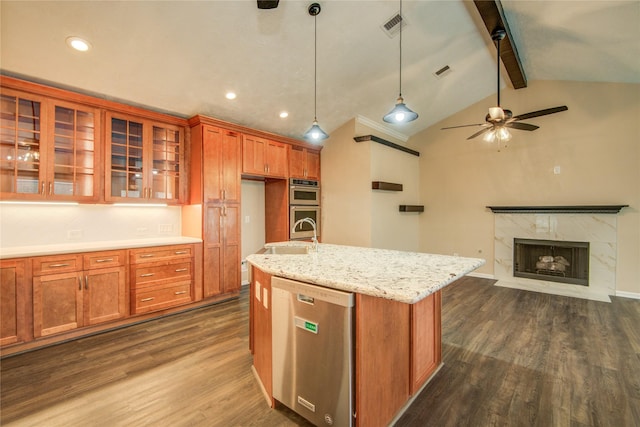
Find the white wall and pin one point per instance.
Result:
(28, 224)
(391, 229)
(353, 213)
(596, 145)
(252, 217)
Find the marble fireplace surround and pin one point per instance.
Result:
(594, 224)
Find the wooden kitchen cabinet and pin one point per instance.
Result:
(67, 296)
(161, 277)
(221, 249)
(260, 327)
(49, 148)
(426, 339)
(304, 163)
(15, 302)
(144, 160)
(264, 157)
(222, 163)
(216, 167)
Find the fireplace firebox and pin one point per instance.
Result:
(551, 260)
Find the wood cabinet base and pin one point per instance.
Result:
(106, 327)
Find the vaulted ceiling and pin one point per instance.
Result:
(183, 56)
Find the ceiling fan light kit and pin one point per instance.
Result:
(400, 113)
(315, 133)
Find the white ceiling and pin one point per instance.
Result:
(182, 56)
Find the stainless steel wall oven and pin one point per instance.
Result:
(304, 202)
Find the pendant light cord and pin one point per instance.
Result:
(401, 19)
(315, 67)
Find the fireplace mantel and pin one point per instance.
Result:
(585, 209)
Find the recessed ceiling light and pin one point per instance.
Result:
(284, 115)
(78, 43)
(230, 95)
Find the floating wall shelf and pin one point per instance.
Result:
(387, 143)
(411, 208)
(388, 186)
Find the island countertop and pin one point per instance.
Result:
(396, 275)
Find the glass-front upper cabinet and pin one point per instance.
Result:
(20, 145)
(144, 160)
(73, 152)
(47, 149)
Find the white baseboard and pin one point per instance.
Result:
(481, 275)
(624, 294)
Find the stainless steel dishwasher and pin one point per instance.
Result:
(313, 351)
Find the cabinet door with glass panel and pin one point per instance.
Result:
(48, 148)
(144, 160)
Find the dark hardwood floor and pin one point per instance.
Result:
(511, 358)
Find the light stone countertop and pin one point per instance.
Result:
(68, 248)
(396, 275)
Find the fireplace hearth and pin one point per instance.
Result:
(551, 260)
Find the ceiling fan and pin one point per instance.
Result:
(498, 119)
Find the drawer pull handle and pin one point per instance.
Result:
(181, 252)
(58, 265)
(146, 275)
(146, 255)
(180, 292)
(104, 260)
(178, 270)
(146, 299)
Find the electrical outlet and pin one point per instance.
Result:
(74, 234)
(165, 228)
(247, 219)
(141, 231)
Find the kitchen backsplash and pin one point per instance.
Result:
(28, 225)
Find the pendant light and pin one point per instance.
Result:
(315, 133)
(400, 113)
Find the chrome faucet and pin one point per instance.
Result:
(310, 221)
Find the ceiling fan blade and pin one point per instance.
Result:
(521, 126)
(540, 113)
(464, 126)
(479, 132)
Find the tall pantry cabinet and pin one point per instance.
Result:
(214, 213)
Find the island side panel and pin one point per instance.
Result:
(426, 339)
(261, 328)
(382, 359)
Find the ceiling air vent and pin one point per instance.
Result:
(442, 72)
(392, 26)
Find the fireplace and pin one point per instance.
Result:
(551, 260)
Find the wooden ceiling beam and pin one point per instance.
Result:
(493, 17)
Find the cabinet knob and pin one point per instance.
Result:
(178, 270)
(146, 275)
(58, 265)
(146, 299)
(104, 260)
(180, 292)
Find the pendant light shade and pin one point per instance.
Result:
(400, 113)
(315, 133)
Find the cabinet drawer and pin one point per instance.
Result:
(158, 253)
(95, 260)
(169, 271)
(57, 264)
(157, 298)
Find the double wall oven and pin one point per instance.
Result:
(304, 202)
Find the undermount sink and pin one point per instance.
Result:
(286, 250)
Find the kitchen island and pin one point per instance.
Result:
(396, 324)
